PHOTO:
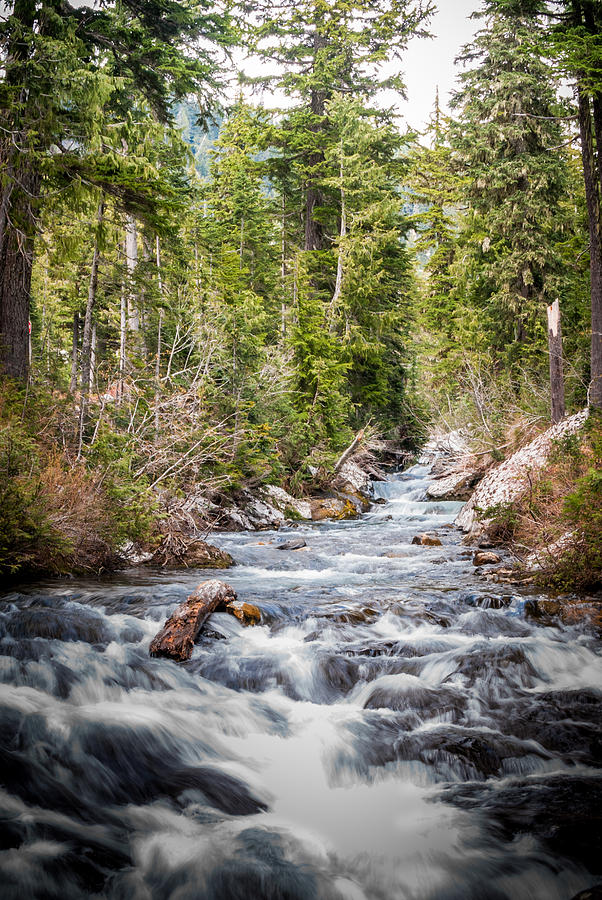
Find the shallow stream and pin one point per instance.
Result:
(395, 729)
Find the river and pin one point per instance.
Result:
(395, 729)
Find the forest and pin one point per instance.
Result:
(252, 321)
(201, 293)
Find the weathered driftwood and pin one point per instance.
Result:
(347, 453)
(176, 638)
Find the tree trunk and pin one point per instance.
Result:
(122, 343)
(338, 287)
(595, 246)
(18, 200)
(93, 351)
(314, 235)
(594, 28)
(158, 376)
(86, 356)
(74, 348)
(19, 197)
(556, 373)
(131, 261)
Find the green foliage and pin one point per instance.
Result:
(580, 566)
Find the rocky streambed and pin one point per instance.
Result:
(393, 727)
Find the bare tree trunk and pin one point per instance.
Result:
(122, 343)
(283, 264)
(314, 235)
(595, 245)
(131, 261)
(555, 352)
(341, 251)
(93, 350)
(87, 336)
(74, 347)
(158, 260)
(158, 376)
(350, 449)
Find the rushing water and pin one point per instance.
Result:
(395, 728)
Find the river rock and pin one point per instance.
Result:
(485, 558)
(426, 540)
(247, 613)
(176, 638)
(177, 550)
(507, 481)
(332, 508)
(295, 544)
(286, 503)
(352, 479)
(542, 607)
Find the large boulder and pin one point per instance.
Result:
(286, 503)
(178, 551)
(352, 479)
(332, 508)
(508, 481)
(458, 482)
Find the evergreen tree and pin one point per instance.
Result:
(63, 66)
(326, 48)
(575, 42)
(507, 141)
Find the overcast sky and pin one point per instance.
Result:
(429, 63)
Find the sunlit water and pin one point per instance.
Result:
(396, 728)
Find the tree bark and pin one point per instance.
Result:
(176, 638)
(347, 453)
(86, 356)
(592, 198)
(131, 261)
(314, 234)
(338, 287)
(158, 376)
(74, 349)
(19, 196)
(18, 202)
(122, 343)
(555, 352)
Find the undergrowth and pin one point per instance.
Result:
(61, 514)
(559, 517)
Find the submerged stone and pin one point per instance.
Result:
(426, 540)
(485, 558)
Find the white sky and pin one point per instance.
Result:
(430, 62)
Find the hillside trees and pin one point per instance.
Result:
(63, 67)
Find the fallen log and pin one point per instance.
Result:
(176, 638)
(347, 453)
